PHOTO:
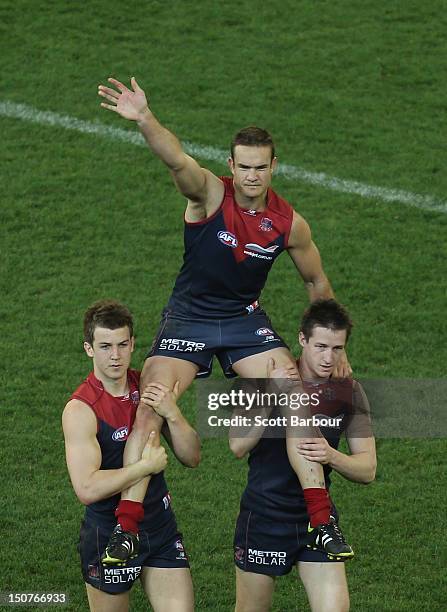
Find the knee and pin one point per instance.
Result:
(341, 604)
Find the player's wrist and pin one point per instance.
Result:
(144, 116)
(174, 415)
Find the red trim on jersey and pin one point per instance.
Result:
(115, 411)
(247, 227)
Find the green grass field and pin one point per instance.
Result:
(355, 90)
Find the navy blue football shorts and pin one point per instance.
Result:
(162, 548)
(270, 547)
(199, 339)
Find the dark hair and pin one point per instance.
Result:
(325, 313)
(106, 313)
(253, 136)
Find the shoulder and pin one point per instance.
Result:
(76, 416)
(300, 234)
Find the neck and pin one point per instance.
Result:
(258, 204)
(116, 387)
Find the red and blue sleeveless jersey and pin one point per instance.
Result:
(273, 489)
(115, 417)
(228, 256)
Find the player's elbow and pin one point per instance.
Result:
(237, 448)
(194, 459)
(370, 475)
(86, 494)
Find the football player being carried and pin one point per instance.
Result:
(235, 229)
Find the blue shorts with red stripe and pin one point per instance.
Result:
(230, 339)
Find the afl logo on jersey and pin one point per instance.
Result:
(264, 331)
(120, 435)
(227, 238)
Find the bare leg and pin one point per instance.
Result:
(168, 589)
(310, 474)
(326, 586)
(99, 601)
(254, 592)
(165, 370)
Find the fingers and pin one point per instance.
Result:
(109, 107)
(155, 385)
(176, 388)
(107, 92)
(118, 84)
(151, 439)
(134, 84)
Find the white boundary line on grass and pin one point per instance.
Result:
(320, 179)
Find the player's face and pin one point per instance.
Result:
(111, 352)
(252, 169)
(323, 352)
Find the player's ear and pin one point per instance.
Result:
(132, 344)
(302, 339)
(231, 164)
(274, 164)
(88, 349)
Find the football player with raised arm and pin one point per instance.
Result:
(235, 229)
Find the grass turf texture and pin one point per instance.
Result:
(351, 89)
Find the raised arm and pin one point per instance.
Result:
(203, 189)
(83, 455)
(181, 437)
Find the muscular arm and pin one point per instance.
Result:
(203, 189)
(307, 260)
(83, 455)
(360, 465)
(183, 440)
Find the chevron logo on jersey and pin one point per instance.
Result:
(257, 248)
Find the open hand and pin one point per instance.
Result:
(343, 368)
(315, 449)
(161, 399)
(129, 103)
(289, 371)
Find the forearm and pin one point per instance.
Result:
(163, 143)
(241, 446)
(319, 289)
(358, 467)
(185, 440)
(105, 483)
